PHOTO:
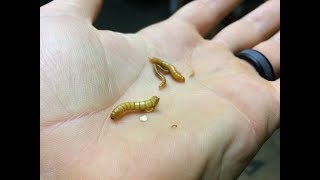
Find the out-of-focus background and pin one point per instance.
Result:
(129, 16)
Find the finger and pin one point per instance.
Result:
(253, 28)
(271, 49)
(87, 9)
(204, 14)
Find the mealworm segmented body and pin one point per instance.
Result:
(160, 76)
(163, 70)
(147, 106)
(173, 71)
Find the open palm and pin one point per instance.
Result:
(223, 114)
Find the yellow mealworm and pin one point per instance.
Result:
(147, 106)
(160, 76)
(174, 73)
(163, 70)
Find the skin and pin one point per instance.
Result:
(223, 115)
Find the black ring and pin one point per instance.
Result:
(259, 62)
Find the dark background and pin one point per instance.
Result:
(129, 16)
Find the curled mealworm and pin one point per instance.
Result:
(163, 70)
(147, 106)
(174, 73)
(160, 76)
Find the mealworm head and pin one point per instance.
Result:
(178, 77)
(181, 79)
(113, 115)
(155, 99)
(162, 85)
(153, 60)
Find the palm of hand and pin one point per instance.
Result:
(86, 73)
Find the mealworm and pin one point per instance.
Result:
(174, 73)
(147, 106)
(160, 76)
(163, 70)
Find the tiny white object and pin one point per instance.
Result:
(143, 118)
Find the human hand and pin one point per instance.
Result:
(223, 114)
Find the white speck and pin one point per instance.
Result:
(143, 118)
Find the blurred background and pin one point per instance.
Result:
(129, 16)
